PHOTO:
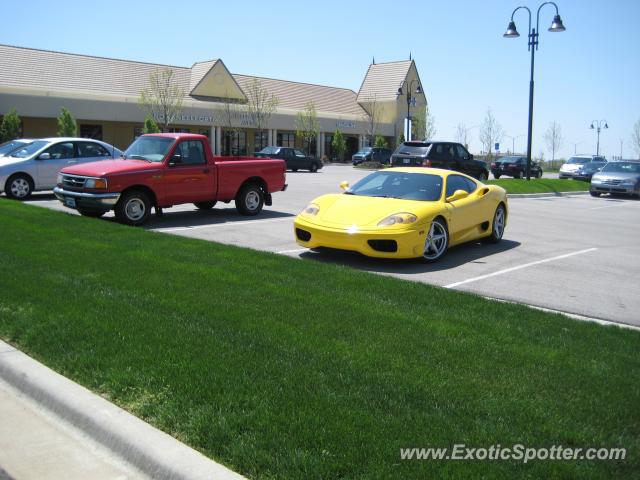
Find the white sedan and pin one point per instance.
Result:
(35, 166)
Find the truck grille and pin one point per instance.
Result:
(73, 181)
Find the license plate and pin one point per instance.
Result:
(70, 202)
(406, 161)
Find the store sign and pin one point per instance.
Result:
(346, 124)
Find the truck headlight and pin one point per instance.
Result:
(398, 218)
(97, 183)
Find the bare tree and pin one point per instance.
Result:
(423, 124)
(490, 132)
(553, 137)
(307, 126)
(635, 137)
(371, 118)
(229, 117)
(162, 99)
(462, 134)
(260, 106)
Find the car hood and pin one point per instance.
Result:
(110, 167)
(4, 161)
(571, 167)
(615, 176)
(343, 210)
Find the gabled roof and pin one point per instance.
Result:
(383, 80)
(212, 79)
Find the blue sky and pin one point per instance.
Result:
(591, 71)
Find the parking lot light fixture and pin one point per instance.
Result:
(512, 32)
(598, 125)
(401, 90)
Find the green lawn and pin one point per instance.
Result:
(540, 185)
(282, 368)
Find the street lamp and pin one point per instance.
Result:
(575, 146)
(512, 32)
(513, 142)
(409, 87)
(599, 124)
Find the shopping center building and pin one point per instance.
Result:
(103, 95)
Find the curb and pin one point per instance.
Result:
(542, 195)
(151, 451)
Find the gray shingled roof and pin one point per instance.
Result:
(383, 80)
(42, 69)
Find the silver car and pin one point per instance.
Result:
(571, 166)
(35, 166)
(617, 177)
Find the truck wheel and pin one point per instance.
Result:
(483, 176)
(19, 187)
(133, 208)
(91, 213)
(250, 200)
(313, 168)
(205, 205)
(496, 176)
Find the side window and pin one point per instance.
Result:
(299, 153)
(61, 151)
(192, 152)
(458, 182)
(450, 151)
(462, 152)
(90, 149)
(436, 152)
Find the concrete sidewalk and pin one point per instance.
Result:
(53, 428)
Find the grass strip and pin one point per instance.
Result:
(281, 368)
(540, 185)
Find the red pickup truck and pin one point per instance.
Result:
(166, 169)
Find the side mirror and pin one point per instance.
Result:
(175, 160)
(457, 195)
(344, 185)
(44, 156)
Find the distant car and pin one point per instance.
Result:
(446, 155)
(572, 165)
(372, 154)
(35, 165)
(617, 178)
(515, 167)
(294, 158)
(7, 147)
(587, 171)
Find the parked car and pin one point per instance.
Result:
(166, 169)
(571, 166)
(587, 171)
(447, 155)
(7, 147)
(405, 213)
(515, 167)
(617, 178)
(294, 158)
(35, 165)
(372, 154)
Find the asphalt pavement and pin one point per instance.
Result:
(575, 254)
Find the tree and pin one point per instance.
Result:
(307, 126)
(67, 126)
(380, 142)
(150, 125)
(490, 132)
(10, 127)
(400, 139)
(371, 118)
(339, 144)
(423, 125)
(554, 139)
(162, 99)
(260, 106)
(462, 135)
(635, 137)
(229, 117)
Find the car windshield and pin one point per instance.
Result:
(270, 150)
(11, 145)
(575, 160)
(409, 186)
(413, 148)
(151, 149)
(622, 167)
(29, 149)
(508, 159)
(593, 166)
(364, 151)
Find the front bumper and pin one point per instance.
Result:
(566, 174)
(90, 201)
(606, 188)
(408, 243)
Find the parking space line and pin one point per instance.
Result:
(226, 224)
(297, 250)
(621, 204)
(519, 267)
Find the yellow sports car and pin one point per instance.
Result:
(405, 213)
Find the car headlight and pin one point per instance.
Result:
(398, 218)
(311, 210)
(100, 183)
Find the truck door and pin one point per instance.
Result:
(188, 176)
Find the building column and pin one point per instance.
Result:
(270, 136)
(322, 141)
(318, 145)
(274, 136)
(360, 142)
(212, 139)
(218, 140)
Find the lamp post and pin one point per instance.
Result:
(409, 87)
(575, 146)
(512, 32)
(599, 124)
(513, 142)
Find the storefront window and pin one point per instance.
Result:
(260, 141)
(234, 143)
(287, 140)
(91, 131)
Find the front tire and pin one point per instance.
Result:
(313, 168)
(133, 208)
(250, 200)
(496, 176)
(483, 176)
(205, 205)
(436, 242)
(497, 227)
(19, 187)
(91, 213)
(594, 194)
(539, 175)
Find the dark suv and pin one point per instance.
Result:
(515, 167)
(372, 154)
(294, 158)
(447, 155)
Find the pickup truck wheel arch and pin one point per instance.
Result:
(133, 207)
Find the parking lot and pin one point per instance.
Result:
(574, 254)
